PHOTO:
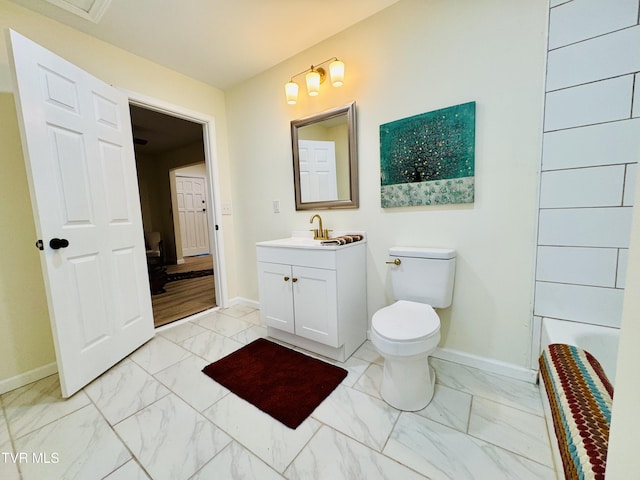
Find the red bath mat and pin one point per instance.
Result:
(286, 384)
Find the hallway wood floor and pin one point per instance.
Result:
(185, 297)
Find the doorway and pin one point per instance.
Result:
(181, 285)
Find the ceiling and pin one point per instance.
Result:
(220, 42)
(155, 133)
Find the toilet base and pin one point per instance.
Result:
(407, 384)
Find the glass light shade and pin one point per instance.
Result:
(291, 91)
(336, 70)
(313, 83)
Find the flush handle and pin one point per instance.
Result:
(395, 261)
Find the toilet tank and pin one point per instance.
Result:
(424, 275)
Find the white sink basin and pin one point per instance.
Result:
(293, 242)
(305, 241)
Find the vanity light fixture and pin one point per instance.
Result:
(314, 77)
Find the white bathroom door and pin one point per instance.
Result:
(192, 216)
(318, 181)
(78, 148)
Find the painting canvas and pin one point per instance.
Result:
(428, 159)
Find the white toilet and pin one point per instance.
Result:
(408, 331)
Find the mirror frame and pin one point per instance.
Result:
(353, 202)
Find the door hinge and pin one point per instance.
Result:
(40, 245)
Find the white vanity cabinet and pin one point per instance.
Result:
(300, 300)
(314, 297)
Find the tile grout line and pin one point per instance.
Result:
(11, 439)
(322, 424)
(111, 427)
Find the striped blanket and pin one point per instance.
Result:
(581, 398)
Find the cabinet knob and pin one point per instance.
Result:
(286, 279)
(294, 279)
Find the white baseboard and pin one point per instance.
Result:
(487, 364)
(27, 377)
(468, 359)
(244, 301)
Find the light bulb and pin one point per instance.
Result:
(313, 83)
(291, 91)
(336, 70)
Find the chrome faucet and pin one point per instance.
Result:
(319, 233)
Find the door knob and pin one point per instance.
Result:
(58, 243)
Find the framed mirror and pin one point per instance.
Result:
(325, 159)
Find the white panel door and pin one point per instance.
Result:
(192, 216)
(318, 180)
(76, 135)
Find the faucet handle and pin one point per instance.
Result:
(326, 233)
(316, 233)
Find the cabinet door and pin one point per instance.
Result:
(276, 296)
(315, 304)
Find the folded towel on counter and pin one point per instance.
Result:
(343, 239)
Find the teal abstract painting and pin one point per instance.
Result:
(429, 159)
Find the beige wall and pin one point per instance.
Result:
(25, 343)
(414, 57)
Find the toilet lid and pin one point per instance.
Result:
(406, 320)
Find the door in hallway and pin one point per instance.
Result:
(192, 216)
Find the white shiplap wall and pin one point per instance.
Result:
(591, 148)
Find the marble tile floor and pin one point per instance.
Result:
(155, 415)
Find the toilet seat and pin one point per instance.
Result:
(405, 320)
(405, 328)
